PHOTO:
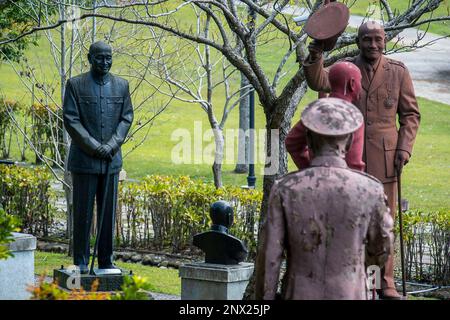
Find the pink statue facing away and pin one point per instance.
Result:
(329, 221)
(345, 83)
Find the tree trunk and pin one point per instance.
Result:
(283, 124)
(218, 157)
(243, 139)
(217, 172)
(94, 23)
(68, 190)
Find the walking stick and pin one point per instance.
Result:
(100, 218)
(400, 221)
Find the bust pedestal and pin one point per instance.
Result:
(205, 281)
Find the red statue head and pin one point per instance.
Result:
(345, 81)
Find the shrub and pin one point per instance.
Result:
(51, 291)
(427, 245)
(8, 224)
(25, 193)
(133, 288)
(166, 211)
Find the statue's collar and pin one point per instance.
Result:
(219, 228)
(101, 80)
(328, 161)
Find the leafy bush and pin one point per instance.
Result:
(427, 245)
(51, 291)
(8, 224)
(166, 211)
(133, 288)
(26, 193)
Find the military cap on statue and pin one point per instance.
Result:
(332, 117)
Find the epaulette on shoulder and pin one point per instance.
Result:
(396, 62)
(365, 174)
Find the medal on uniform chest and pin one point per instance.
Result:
(389, 102)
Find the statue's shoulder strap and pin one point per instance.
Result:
(396, 62)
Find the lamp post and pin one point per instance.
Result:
(251, 179)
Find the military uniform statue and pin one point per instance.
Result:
(387, 92)
(330, 220)
(97, 115)
(219, 246)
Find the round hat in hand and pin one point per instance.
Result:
(328, 23)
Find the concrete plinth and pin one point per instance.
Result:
(70, 279)
(204, 281)
(17, 273)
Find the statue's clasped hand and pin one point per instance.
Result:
(104, 152)
(401, 159)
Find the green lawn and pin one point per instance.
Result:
(162, 280)
(425, 179)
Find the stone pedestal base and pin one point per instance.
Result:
(69, 279)
(204, 281)
(17, 273)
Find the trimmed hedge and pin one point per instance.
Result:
(8, 224)
(26, 193)
(427, 245)
(166, 211)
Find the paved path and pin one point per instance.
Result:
(429, 66)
